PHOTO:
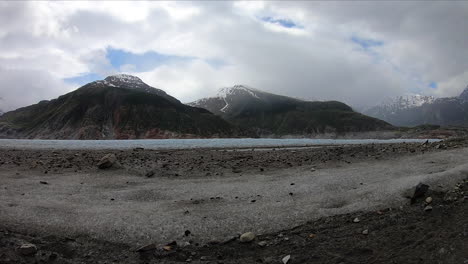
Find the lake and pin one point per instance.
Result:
(192, 143)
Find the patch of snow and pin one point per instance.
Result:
(226, 91)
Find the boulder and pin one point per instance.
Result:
(247, 237)
(27, 249)
(107, 161)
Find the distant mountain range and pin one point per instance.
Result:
(265, 114)
(418, 110)
(124, 107)
(118, 107)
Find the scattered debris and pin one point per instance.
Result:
(247, 237)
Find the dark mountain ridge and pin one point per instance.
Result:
(264, 113)
(119, 107)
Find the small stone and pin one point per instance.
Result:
(187, 232)
(27, 249)
(107, 161)
(365, 232)
(286, 259)
(247, 237)
(428, 208)
(356, 220)
(262, 243)
(442, 251)
(429, 200)
(149, 174)
(43, 182)
(236, 170)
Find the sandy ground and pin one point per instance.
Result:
(216, 195)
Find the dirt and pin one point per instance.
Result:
(406, 234)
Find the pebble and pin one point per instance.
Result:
(429, 200)
(247, 237)
(365, 232)
(428, 208)
(27, 249)
(356, 220)
(286, 259)
(262, 243)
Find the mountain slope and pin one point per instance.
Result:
(118, 107)
(264, 113)
(440, 111)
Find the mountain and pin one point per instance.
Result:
(118, 107)
(422, 110)
(263, 113)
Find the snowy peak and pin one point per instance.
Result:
(237, 89)
(407, 101)
(124, 80)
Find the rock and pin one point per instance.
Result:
(365, 232)
(419, 191)
(262, 243)
(429, 200)
(107, 161)
(356, 220)
(428, 208)
(43, 182)
(236, 170)
(148, 247)
(27, 249)
(247, 237)
(442, 251)
(149, 174)
(286, 259)
(187, 232)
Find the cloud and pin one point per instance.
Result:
(356, 52)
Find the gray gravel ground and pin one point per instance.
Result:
(119, 206)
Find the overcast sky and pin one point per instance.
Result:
(356, 52)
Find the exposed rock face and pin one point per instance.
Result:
(119, 107)
(426, 110)
(265, 113)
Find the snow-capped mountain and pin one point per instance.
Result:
(132, 82)
(412, 110)
(270, 114)
(119, 107)
(390, 106)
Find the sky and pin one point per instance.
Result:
(351, 51)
